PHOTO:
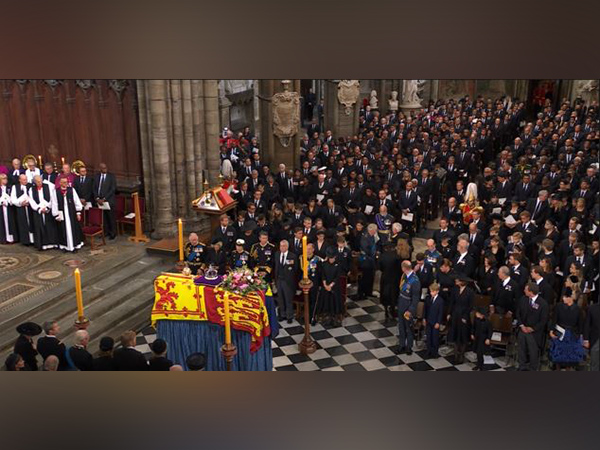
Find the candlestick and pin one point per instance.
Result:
(227, 319)
(180, 226)
(304, 259)
(40, 161)
(79, 295)
(62, 159)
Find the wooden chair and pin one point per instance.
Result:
(418, 323)
(482, 301)
(120, 208)
(502, 325)
(123, 221)
(93, 225)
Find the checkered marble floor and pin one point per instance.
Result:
(362, 343)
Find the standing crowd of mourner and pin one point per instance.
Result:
(517, 243)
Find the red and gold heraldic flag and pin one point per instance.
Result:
(177, 297)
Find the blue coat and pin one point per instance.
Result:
(434, 312)
(410, 294)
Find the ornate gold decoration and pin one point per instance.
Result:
(348, 92)
(77, 164)
(286, 114)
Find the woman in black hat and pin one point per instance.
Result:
(330, 299)
(462, 298)
(24, 345)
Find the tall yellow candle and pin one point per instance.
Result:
(304, 258)
(62, 160)
(180, 226)
(227, 319)
(78, 293)
(40, 160)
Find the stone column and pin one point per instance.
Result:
(211, 115)
(162, 193)
(273, 152)
(341, 122)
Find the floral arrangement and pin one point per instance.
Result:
(243, 281)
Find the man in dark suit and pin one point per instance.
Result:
(432, 319)
(225, 233)
(51, 345)
(77, 356)
(463, 262)
(127, 358)
(408, 203)
(539, 209)
(476, 241)
(525, 190)
(286, 271)
(545, 290)
(105, 187)
(444, 230)
(532, 319)
(580, 258)
(84, 185)
(503, 301)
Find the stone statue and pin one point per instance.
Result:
(373, 102)
(393, 101)
(410, 93)
(587, 90)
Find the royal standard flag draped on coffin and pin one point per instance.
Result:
(177, 297)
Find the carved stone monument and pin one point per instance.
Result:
(373, 102)
(348, 92)
(393, 102)
(286, 114)
(587, 90)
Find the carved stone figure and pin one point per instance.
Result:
(373, 102)
(393, 101)
(587, 90)
(348, 92)
(286, 114)
(410, 93)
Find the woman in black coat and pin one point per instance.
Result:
(366, 261)
(462, 299)
(390, 265)
(24, 346)
(487, 275)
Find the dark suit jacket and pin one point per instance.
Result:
(85, 190)
(159, 363)
(434, 312)
(409, 202)
(287, 273)
(107, 190)
(129, 359)
(47, 346)
(534, 317)
(542, 213)
(104, 364)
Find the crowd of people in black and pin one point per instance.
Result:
(515, 199)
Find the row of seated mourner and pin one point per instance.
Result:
(506, 206)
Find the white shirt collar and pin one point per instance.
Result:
(506, 281)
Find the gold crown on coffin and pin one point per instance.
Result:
(211, 273)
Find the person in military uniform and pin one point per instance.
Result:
(384, 223)
(433, 258)
(261, 256)
(314, 275)
(240, 257)
(330, 297)
(410, 294)
(506, 294)
(194, 253)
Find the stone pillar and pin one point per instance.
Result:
(211, 116)
(341, 122)
(179, 122)
(162, 194)
(273, 152)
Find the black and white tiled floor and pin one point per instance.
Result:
(363, 343)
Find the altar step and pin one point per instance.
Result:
(115, 301)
